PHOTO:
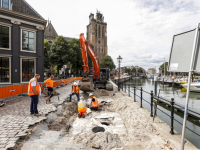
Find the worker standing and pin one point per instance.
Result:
(75, 90)
(34, 91)
(82, 109)
(49, 83)
(94, 102)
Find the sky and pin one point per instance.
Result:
(140, 31)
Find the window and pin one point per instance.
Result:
(28, 69)
(5, 4)
(4, 70)
(99, 34)
(4, 37)
(102, 31)
(49, 29)
(28, 40)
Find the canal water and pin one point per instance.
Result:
(179, 95)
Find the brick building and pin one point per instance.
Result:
(21, 42)
(97, 34)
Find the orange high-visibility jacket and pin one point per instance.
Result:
(30, 89)
(95, 103)
(49, 83)
(76, 89)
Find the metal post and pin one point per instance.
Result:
(172, 116)
(119, 78)
(129, 90)
(151, 104)
(188, 86)
(122, 85)
(141, 97)
(134, 95)
(155, 85)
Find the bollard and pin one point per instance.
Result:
(141, 97)
(172, 116)
(134, 94)
(151, 104)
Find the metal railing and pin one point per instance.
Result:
(126, 87)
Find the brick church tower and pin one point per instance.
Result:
(97, 34)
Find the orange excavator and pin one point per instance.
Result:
(99, 77)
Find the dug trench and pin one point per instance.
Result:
(64, 130)
(119, 124)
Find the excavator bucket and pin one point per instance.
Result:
(87, 84)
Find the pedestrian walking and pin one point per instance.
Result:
(94, 102)
(34, 91)
(75, 90)
(49, 83)
(82, 109)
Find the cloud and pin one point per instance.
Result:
(140, 31)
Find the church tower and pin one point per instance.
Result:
(50, 33)
(97, 34)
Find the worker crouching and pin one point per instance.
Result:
(94, 102)
(82, 109)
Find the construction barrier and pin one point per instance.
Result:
(9, 91)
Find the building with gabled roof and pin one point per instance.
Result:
(21, 42)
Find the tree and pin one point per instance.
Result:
(127, 70)
(133, 70)
(140, 70)
(76, 62)
(46, 54)
(60, 53)
(161, 68)
(107, 62)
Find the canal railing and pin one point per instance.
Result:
(174, 106)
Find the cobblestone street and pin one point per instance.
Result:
(15, 117)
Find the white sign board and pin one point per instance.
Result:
(181, 52)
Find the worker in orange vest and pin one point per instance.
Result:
(49, 83)
(75, 90)
(34, 91)
(94, 102)
(82, 109)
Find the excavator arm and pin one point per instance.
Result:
(86, 48)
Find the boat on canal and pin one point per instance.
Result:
(194, 86)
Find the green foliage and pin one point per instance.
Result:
(76, 62)
(127, 70)
(162, 67)
(133, 70)
(107, 62)
(60, 53)
(56, 69)
(46, 54)
(140, 70)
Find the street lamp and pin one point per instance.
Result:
(119, 60)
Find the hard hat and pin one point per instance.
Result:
(90, 94)
(81, 97)
(75, 83)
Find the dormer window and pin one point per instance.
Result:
(5, 4)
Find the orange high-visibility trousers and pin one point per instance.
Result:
(82, 110)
